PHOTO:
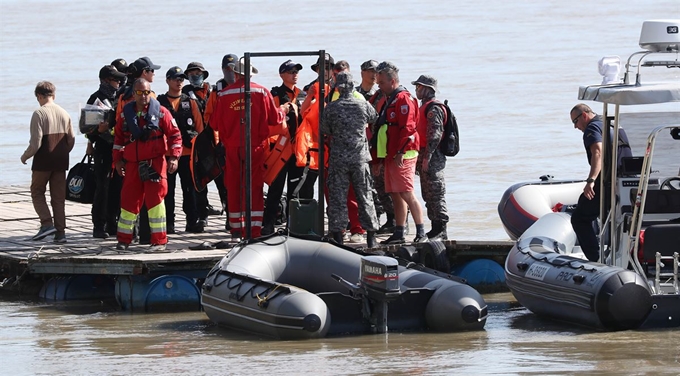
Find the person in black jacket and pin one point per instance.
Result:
(106, 205)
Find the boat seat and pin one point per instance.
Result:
(659, 201)
(664, 239)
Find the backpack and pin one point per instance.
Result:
(450, 143)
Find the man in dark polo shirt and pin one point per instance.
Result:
(588, 208)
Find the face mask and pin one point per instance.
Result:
(108, 90)
(230, 77)
(196, 81)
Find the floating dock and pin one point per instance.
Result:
(90, 268)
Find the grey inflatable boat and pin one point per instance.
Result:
(295, 288)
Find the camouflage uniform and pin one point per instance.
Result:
(345, 121)
(432, 182)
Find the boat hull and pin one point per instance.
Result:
(524, 203)
(288, 288)
(550, 283)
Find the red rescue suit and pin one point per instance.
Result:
(229, 120)
(160, 139)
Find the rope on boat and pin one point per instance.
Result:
(548, 261)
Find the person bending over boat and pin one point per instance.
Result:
(588, 208)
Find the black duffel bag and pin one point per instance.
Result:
(81, 181)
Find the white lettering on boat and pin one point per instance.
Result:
(372, 269)
(537, 271)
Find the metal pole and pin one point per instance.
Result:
(248, 140)
(320, 102)
(605, 141)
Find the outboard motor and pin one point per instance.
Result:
(378, 284)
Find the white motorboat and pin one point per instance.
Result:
(636, 283)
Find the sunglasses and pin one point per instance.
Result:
(178, 79)
(142, 92)
(575, 120)
(293, 72)
(148, 70)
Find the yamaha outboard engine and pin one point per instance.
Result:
(379, 281)
(378, 284)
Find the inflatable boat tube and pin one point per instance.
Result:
(548, 281)
(524, 203)
(294, 288)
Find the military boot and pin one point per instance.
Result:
(370, 239)
(338, 237)
(388, 227)
(438, 231)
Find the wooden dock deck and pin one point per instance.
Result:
(83, 254)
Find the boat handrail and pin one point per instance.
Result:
(641, 197)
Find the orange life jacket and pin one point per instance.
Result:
(307, 136)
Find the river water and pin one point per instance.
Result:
(511, 72)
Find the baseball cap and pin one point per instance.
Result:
(144, 63)
(109, 71)
(120, 64)
(288, 66)
(328, 59)
(369, 65)
(175, 72)
(199, 66)
(229, 59)
(426, 80)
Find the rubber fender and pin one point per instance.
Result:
(408, 253)
(434, 256)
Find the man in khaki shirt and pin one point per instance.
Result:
(52, 139)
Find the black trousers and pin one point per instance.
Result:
(106, 205)
(191, 200)
(585, 224)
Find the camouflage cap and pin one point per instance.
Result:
(344, 82)
(426, 80)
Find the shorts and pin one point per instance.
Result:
(399, 179)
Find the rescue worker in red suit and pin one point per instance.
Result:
(229, 120)
(145, 136)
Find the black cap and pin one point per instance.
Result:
(426, 80)
(199, 66)
(120, 64)
(109, 71)
(175, 72)
(229, 59)
(328, 59)
(369, 65)
(141, 64)
(288, 66)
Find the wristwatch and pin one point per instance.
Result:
(590, 180)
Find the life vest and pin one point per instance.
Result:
(281, 137)
(421, 125)
(277, 158)
(151, 130)
(307, 137)
(183, 117)
(200, 96)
